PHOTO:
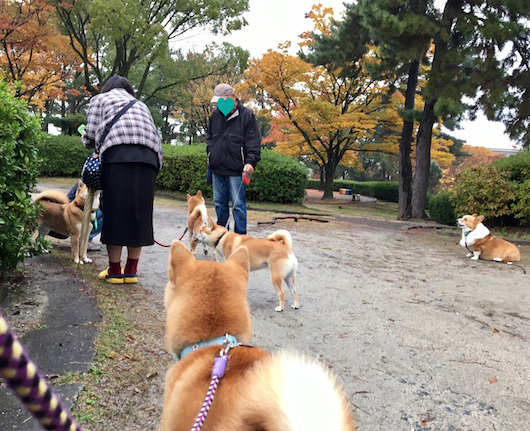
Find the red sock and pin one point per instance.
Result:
(114, 268)
(131, 267)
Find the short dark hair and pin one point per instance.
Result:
(117, 81)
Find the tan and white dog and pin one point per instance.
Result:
(481, 243)
(204, 302)
(275, 252)
(65, 217)
(197, 218)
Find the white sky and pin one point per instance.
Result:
(271, 22)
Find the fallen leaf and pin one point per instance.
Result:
(494, 330)
(492, 380)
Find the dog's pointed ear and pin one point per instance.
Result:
(240, 258)
(199, 193)
(188, 196)
(480, 219)
(474, 215)
(211, 223)
(179, 258)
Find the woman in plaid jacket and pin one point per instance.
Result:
(131, 156)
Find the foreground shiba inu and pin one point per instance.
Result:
(206, 302)
(197, 218)
(275, 252)
(65, 217)
(478, 239)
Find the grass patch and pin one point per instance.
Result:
(130, 359)
(379, 209)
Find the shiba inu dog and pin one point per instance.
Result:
(481, 243)
(65, 217)
(197, 218)
(275, 252)
(206, 311)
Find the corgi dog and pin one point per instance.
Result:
(275, 252)
(65, 217)
(481, 243)
(197, 218)
(207, 315)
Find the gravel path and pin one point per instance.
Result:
(423, 338)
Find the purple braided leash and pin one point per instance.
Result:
(28, 384)
(218, 371)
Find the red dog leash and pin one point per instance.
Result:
(167, 246)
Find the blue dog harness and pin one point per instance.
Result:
(218, 341)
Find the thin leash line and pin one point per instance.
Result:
(167, 246)
(234, 202)
(23, 377)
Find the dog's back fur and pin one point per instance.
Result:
(260, 391)
(197, 217)
(55, 196)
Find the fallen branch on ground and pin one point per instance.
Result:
(295, 218)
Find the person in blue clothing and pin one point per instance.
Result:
(234, 147)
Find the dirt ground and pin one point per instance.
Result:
(421, 337)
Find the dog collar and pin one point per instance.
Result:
(227, 339)
(467, 233)
(218, 240)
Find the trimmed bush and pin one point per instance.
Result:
(484, 190)
(62, 156)
(19, 134)
(277, 178)
(441, 209)
(384, 190)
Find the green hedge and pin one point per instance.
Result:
(384, 190)
(63, 156)
(441, 209)
(19, 134)
(277, 178)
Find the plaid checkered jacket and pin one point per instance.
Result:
(136, 126)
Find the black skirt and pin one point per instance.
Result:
(127, 203)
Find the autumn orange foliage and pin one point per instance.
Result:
(33, 51)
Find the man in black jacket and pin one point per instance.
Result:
(234, 146)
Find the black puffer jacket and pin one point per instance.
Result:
(233, 143)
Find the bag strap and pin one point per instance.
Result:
(114, 120)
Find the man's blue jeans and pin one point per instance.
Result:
(226, 188)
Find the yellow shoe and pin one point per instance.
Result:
(114, 279)
(130, 278)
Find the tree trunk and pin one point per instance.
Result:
(329, 171)
(405, 146)
(423, 161)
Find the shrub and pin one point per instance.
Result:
(484, 190)
(277, 178)
(521, 206)
(441, 209)
(516, 166)
(384, 190)
(19, 134)
(63, 156)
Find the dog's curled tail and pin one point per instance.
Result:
(292, 392)
(283, 236)
(52, 196)
(200, 212)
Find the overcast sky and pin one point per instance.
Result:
(271, 22)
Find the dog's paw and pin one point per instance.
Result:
(474, 258)
(469, 254)
(278, 308)
(295, 306)
(86, 260)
